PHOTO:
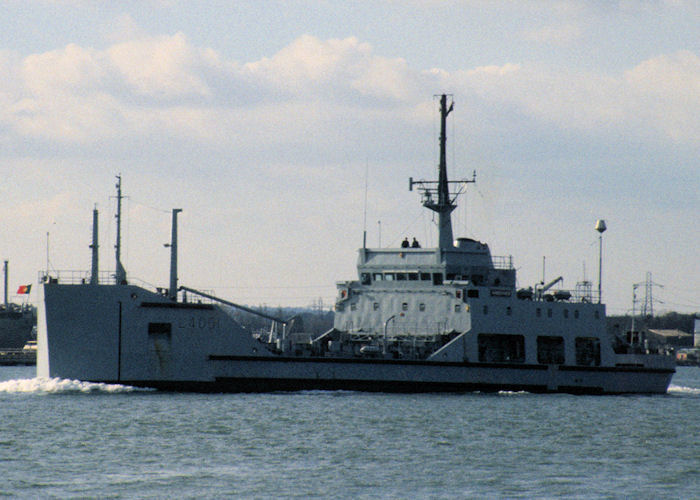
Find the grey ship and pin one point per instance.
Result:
(417, 319)
(16, 320)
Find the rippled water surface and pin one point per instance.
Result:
(62, 438)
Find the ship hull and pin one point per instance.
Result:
(15, 329)
(128, 335)
(412, 379)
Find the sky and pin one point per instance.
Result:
(284, 129)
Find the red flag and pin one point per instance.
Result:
(24, 289)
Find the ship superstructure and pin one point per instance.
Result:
(448, 318)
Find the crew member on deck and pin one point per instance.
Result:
(415, 243)
(404, 243)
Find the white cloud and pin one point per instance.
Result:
(73, 69)
(309, 64)
(658, 96)
(162, 67)
(165, 87)
(666, 90)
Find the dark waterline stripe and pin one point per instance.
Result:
(461, 364)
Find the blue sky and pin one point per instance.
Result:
(260, 119)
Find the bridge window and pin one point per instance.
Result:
(437, 278)
(425, 276)
(389, 276)
(587, 351)
(412, 276)
(365, 278)
(400, 276)
(378, 276)
(500, 348)
(550, 350)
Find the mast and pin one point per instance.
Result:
(172, 291)
(6, 273)
(444, 205)
(94, 273)
(120, 275)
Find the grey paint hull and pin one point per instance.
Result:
(106, 333)
(15, 329)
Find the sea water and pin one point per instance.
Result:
(63, 438)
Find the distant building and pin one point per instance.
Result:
(688, 357)
(670, 338)
(697, 332)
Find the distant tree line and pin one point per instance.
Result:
(309, 320)
(667, 321)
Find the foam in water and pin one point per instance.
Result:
(58, 385)
(512, 393)
(684, 391)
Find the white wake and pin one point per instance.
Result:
(683, 391)
(59, 385)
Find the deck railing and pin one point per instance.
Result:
(502, 261)
(576, 295)
(81, 277)
(74, 277)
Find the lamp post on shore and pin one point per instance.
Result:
(600, 227)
